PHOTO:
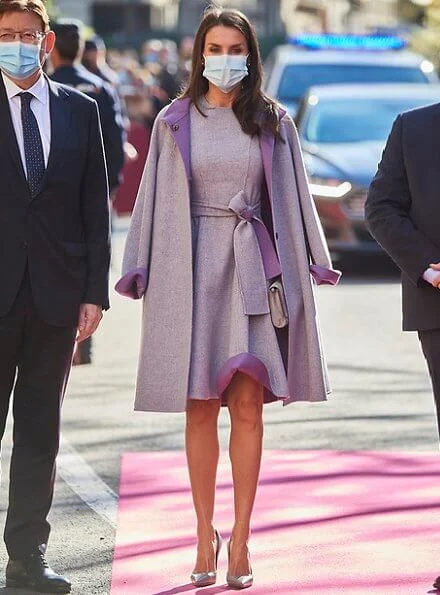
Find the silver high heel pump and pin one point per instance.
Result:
(204, 579)
(240, 582)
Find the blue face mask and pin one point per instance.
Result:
(19, 60)
(225, 71)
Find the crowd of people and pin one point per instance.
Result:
(155, 74)
(146, 81)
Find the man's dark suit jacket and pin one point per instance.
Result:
(112, 123)
(62, 234)
(403, 210)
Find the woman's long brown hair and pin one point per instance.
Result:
(254, 110)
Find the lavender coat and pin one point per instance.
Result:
(157, 263)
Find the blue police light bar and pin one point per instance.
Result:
(325, 41)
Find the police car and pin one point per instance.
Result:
(307, 60)
(343, 130)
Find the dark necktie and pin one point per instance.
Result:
(33, 147)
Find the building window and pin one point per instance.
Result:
(114, 17)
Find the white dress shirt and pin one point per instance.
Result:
(40, 106)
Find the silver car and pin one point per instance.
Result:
(292, 69)
(343, 130)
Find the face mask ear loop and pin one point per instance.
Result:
(46, 54)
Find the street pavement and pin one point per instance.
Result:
(381, 401)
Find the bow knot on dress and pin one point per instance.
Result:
(255, 256)
(239, 205)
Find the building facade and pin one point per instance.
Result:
(354, 16)
(265, 14)
(271, 17)
(121, 15)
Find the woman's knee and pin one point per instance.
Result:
(246, 404)
(201, 413)
(246, 412)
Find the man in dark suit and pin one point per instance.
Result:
(68, 70)
(402, 212)
(54, 262)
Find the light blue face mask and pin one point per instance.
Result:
(19, 60)
(225, 71)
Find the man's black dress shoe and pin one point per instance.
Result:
(33, 572)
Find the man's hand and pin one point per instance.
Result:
(90, 316)
(432, 275)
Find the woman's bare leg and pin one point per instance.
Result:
(245, 402)
(202, 451)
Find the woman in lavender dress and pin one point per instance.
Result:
(223, 209)
(227, 173)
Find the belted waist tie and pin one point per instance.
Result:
(254, 253)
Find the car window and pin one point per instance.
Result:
(354, 120)
(297, 78)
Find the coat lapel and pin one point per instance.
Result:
(8, 132)
(60, 120)
(178, 119)
(267, 145)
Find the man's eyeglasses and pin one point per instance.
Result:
(33, 37)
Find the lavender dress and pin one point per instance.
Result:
(227, 174)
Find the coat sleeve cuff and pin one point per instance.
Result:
(324, 276)
(133, 284)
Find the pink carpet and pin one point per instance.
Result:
(325, 522)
